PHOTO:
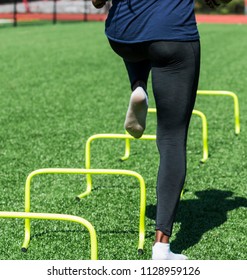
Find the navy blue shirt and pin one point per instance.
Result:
(133, 21)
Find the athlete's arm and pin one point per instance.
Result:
(216, 3)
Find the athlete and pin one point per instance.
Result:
(159, 37)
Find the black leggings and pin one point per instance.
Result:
(175, 70)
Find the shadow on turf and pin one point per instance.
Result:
(198, 216)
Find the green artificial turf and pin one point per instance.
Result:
(61, 84)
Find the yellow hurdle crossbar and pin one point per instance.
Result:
(59, 217)
(153, 137)
(235, 103)
(89, 172)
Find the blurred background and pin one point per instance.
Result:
(12, 11)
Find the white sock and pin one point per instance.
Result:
(161, 251)
(135, 121)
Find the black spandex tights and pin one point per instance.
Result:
(175, 70)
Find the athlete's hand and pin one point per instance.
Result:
(98, 3)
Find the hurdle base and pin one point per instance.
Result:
(140, 252)
(123, 158)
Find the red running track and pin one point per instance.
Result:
(226, 19)
(62, 17)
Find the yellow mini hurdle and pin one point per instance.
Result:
(235, 103)
(153, 137)
(89, 172)
(105, 136)
(59, 217)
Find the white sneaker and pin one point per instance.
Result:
(161, 251)
(135, 121)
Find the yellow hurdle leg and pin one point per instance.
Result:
(235, 102)
(127, 149)
(90, 171)
(204, 134)
(59, 217)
